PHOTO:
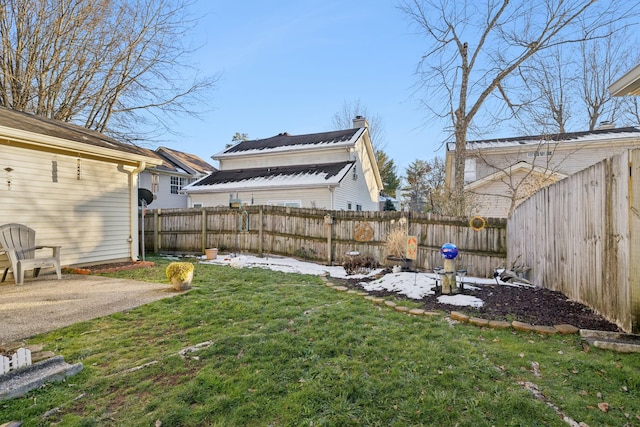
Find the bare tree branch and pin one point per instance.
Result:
(110, 65)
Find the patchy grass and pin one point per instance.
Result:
(285, 350)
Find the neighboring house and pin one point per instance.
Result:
(628, 84)
(333, 170)
(76, 187)
(502, 173)
(166, 180)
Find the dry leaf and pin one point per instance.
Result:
(599, 395)
(158, 423)
(583, 392)
(603, 406)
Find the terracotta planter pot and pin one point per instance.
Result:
(211, 253)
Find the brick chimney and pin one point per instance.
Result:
(360, 122)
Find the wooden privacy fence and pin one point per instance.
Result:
(322, 236)
(581, 236)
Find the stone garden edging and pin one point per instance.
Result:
(564, 329)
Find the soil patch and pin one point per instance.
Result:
(536, 306)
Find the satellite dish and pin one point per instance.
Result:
(144, 195)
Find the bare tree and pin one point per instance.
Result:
(110, 65)
(344, 120)
(602, 61)
(474, 46)
(521, 171)
(550, 81)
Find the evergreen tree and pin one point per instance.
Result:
(387, 168)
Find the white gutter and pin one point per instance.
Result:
(133, 211)
(55, 143)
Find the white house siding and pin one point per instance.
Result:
(367, 172)
(282, 158)
(567, 158)
(493, 199)
(89, 217)
(163, 198)
(308, 197)
(355, 192)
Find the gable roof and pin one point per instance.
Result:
(628, 84)
(47, 134)
(178, 161)
(287, 142)
(327, 174)
(520, 166)
(568, 137)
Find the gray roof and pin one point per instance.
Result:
(63, 130)
(279, 175)
(287, 141)
(568, 137)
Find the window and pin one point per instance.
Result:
(358, 208)
(177, 182)
(469, 170)
(348, 206)
(539, 154)
(197, 205)
(286, 203)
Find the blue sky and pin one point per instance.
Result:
(289, 66)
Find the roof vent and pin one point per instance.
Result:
(606, 124)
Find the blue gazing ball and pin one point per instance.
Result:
(449, 251)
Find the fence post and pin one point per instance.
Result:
(260, 235)
(156, 231)
(328, 220)
(203, 237)
(634, 244)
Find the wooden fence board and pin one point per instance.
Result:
(576, 235)
(303, 233)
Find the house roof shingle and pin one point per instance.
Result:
(175, 160)
(286, 141)
(41, 125)
(583, 136)
(297, 175)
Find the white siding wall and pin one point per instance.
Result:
(310, 197)
(163, 198)
(89, 217)
(366, 171)
(567, 158)
(355, 191)
(494, 198)
(305, 157)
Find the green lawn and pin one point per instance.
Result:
(277, 349)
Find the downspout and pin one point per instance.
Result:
(331, 194)
(133, 217)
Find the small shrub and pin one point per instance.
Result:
(396, 244)
(179, 270)
(359, 265)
